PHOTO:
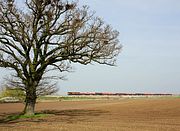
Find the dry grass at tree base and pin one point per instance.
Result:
(157, 114)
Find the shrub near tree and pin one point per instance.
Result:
(49, 35)
(17, 93)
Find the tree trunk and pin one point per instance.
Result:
(30, 101)
(29, 108)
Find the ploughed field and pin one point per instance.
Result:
(142, 114)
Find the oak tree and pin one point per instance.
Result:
(50, 35)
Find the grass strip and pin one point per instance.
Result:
(20, 116)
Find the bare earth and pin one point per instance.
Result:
(146, 114)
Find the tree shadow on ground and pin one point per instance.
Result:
(67, 116)
(74, 112)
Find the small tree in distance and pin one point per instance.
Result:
(50, 35)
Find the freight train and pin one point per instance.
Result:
(119, 94)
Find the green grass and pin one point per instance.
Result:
(77, 98)
(20, 116)
(66, 98)
(47, 98)
(177, 96)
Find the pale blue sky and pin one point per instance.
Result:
(150, 59)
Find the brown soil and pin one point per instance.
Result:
(148, 114)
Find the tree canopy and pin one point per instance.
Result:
(50, 35)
